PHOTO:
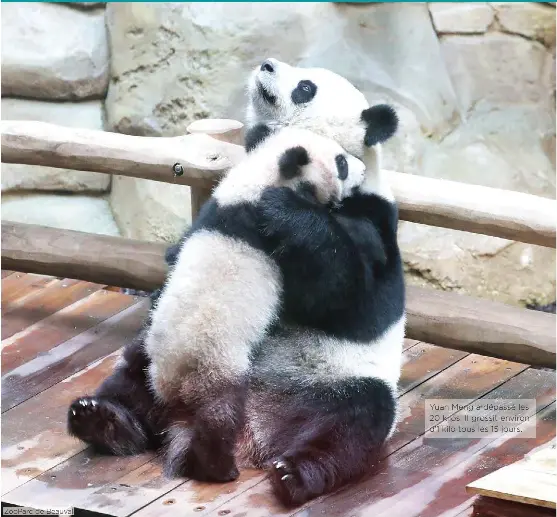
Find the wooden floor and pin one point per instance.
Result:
(60, 338)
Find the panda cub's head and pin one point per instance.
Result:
(296, 158)
(319, 100)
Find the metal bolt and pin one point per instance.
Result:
(178, 169)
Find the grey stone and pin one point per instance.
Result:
(67, 211)
(495, 67)
(531, 19)
(461, 18)
(150, 210)
(51, 51)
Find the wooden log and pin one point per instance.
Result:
(70, 254)
(481, 326)
(203, 158)
(446, 319)
(222, 129)
(198, 197)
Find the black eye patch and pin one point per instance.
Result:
(304, 92)
(342, 167)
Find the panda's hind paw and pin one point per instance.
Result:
(296, 482)
(108, 426)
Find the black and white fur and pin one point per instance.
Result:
(320, 400)
(224, 293)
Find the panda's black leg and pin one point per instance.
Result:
(107, 425)
(343, 430)
(122, 417)
(206, 450)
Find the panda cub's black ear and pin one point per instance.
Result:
(256, 135)
(291, 162)
(381, 124)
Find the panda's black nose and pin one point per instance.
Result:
(267, 66)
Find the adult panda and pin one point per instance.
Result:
(322, 397)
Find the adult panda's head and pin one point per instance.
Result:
(319, 100)
(296, 158)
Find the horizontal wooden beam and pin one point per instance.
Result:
(203, 158)
(446, 319)
(121, 262)
(205, 155)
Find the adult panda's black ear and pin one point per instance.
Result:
(291, 162)
(381, 124)
(256, 135)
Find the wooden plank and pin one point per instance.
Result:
(445, 319)
(44, 303)
(471, 208)
(71, 356)
(204, 158)
(196, 498)
(409, 343)
(34, 437)
(489, 507)
(16, 288)
(532, 480)
(471, 378)
(61, 326)
(507, 214)
(72, 481)
(424, 361)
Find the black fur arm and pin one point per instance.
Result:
(256, 135)
(322, 265)
(294, 220)
(382, 214)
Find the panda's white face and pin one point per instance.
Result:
(280, 92)
(311, 98)
(303, 156)
(292, 157)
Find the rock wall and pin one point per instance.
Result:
(474, 84)
(55, 68)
